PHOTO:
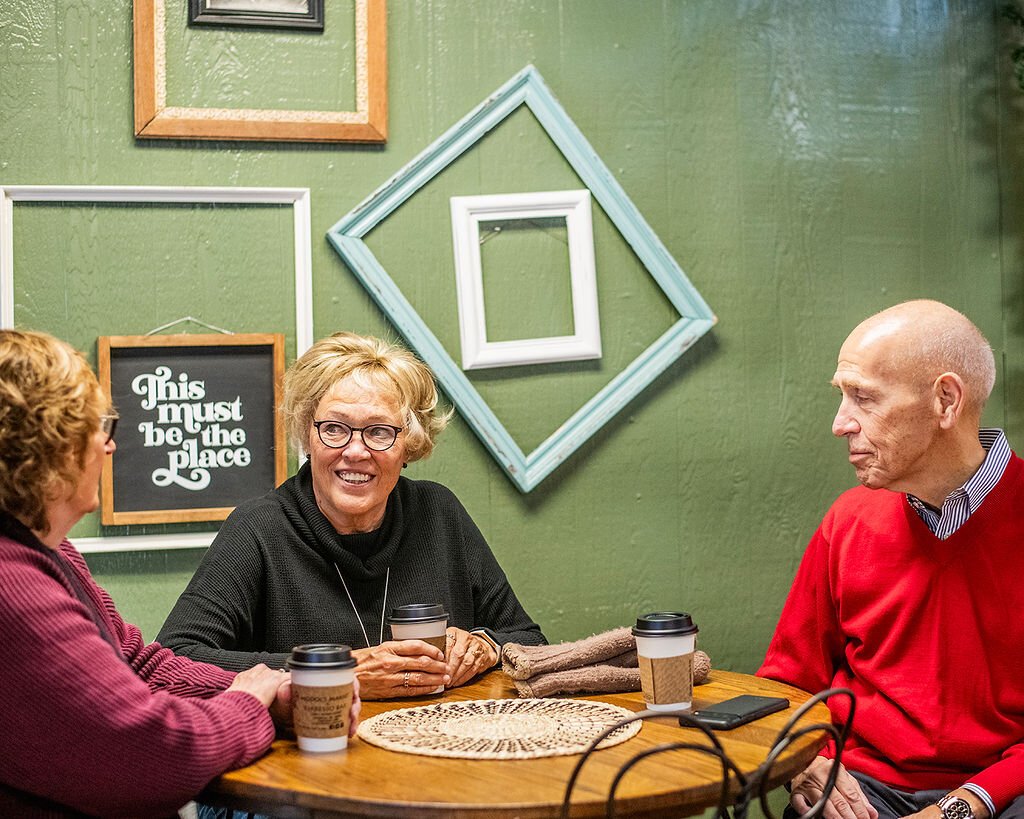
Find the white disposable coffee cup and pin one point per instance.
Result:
(421, 621)
(665, 642)
(322, 677)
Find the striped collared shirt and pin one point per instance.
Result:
(961, 503)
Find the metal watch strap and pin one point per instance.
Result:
(955, 807)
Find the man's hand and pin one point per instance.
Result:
(400, 668)
(468, 655)
(847, 800)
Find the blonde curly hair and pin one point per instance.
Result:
(376, 364)
(50, 406)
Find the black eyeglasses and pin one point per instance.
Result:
(377, 437)
(108, 423)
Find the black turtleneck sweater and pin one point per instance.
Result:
(270, 579)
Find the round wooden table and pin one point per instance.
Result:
(365, 780)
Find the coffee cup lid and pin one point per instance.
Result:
(321, 655)
(417, 613)
(664, 624)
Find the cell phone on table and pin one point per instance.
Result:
(738, 711)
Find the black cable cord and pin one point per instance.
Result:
(639, 715)
(763, 777)
(821, 696)
(756, 784)
(723, 799)
(788, 735)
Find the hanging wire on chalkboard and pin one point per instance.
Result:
(194, 320)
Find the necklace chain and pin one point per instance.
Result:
(351, 602)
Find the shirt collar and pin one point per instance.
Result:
(977, 487)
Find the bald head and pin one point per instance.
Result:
(917, 341)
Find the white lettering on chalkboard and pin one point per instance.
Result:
(180, 411)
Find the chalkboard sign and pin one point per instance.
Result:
(198, 430)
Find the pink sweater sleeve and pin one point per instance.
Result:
(99, 732)
(161, 668)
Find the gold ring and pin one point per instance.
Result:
(405, 679)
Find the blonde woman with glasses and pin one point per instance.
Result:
(328, 554)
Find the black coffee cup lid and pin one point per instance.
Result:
(322, 655)
(417, 613)
(664, 624)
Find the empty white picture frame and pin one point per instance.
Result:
(467, 214)
(298, 199)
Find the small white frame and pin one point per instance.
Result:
(297, 198)
(467, 214)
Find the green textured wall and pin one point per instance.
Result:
(807, 162)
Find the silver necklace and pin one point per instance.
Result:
(351, 602)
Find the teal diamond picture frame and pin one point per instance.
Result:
(527, 87)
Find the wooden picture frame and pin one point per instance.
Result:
(205, 13)
(199, 429)
(155, 119)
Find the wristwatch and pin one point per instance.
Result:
(953, 807)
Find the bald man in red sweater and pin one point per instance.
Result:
(910, 591)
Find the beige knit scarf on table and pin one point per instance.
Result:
(604, 663)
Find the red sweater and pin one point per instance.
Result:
(927, 633)
(134, 733)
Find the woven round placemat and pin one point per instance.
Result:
(498, 729)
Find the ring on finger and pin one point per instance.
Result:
(405, 679)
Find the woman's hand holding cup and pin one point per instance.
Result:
(400, 668)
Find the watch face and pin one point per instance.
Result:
(956, 808)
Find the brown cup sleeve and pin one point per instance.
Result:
(667, 679)
(321, 711)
